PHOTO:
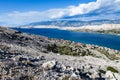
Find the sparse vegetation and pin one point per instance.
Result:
(108, 55)
(52, 47)
(102, 71)
(68, 50)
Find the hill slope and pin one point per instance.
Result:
(31, 57)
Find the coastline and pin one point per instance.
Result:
(113, 29)
(89, 31)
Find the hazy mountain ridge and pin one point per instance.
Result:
(73, 23)
(100, 26)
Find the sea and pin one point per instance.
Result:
(105, 40)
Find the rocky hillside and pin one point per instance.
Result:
(31, 57)
(104, 28)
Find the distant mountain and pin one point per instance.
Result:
(73, 23)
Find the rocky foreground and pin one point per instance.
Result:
(31, 57)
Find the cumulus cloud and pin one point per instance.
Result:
(18, 18)
(105, 8)
(100, 6)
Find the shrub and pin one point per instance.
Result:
(102, 71)
(67, 51)
(52, 47)
(112, 69)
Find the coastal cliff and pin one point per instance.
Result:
(31, 57)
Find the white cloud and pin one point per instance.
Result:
(17, 17)
(100, 6)
(83, 8)
(112, 5)
(117, 0)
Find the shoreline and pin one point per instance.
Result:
(104, 28)
(96, 32)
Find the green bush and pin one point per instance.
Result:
(112, 69)
(102, 71)
(67, 51)
(52, 47)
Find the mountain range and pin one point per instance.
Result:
(72, 23)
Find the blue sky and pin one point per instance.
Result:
(36, 5)
(18, 12)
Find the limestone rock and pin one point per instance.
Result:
(48, 65)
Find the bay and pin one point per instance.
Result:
(106, 40)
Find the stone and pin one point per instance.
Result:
(112, 76)
(22, 59)
(33, 59)
(69, 68)
(74, 77)
(48, 65)
(59, 67)
(117, 76)
(42, 58)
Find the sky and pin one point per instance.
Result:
(19, 12)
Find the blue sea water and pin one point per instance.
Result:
(106, 40)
